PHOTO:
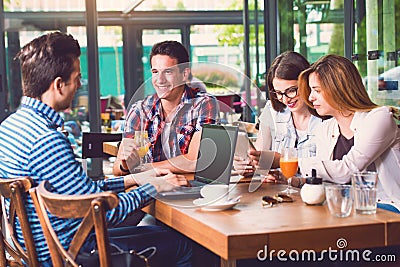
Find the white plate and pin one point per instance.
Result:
(215, 206)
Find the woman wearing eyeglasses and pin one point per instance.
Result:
(286, 120)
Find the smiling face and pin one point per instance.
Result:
(167, 78)
(317, 98)
(284, 86)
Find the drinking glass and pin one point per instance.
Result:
(365, 184)
(340, 199)
(289, 164)
(142, 142)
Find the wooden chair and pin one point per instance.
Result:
(91, 208)
(16, 190)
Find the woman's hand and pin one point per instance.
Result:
(242, 166)
(255, 157)
(263, 160)
(273, 177)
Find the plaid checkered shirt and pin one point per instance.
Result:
(195, 109)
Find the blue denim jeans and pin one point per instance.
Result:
(172, 249)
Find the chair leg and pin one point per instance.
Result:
(3, 259)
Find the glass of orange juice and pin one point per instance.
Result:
(289, 165)
(143, 144)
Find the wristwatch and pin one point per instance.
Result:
(123, 169)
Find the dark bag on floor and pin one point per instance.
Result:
(119, 257)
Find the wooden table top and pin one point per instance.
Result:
(110, 148)
(241, 232)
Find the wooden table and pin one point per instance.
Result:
(242, 232)
(110, 148)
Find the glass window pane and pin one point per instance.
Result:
(147, 5)
(111, 60)
(44, 5)
(221, 61)
(223, 58)
(377, 47)
(318, 28)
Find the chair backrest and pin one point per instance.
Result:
(225, 102)
(16, 190)
(91, 208)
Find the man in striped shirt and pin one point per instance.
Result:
(31, 145)
(173, 116)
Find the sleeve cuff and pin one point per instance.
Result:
(148, 191)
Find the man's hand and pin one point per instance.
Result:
(161, 179)
(128, 154)
(168, 182)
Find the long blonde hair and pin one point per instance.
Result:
(341, 84)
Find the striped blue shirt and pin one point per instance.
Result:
(31, 145)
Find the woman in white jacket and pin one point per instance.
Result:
(360, 136)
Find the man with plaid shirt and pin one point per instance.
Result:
(173, 117)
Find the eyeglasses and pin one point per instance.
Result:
(289, 93)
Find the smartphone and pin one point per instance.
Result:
(251, 143)
(243, 136)
(243, 144)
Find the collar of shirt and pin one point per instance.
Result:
(284, 116)
(55, 119)
(187, 98)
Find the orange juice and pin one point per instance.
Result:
(142, 151)
(289, 167)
